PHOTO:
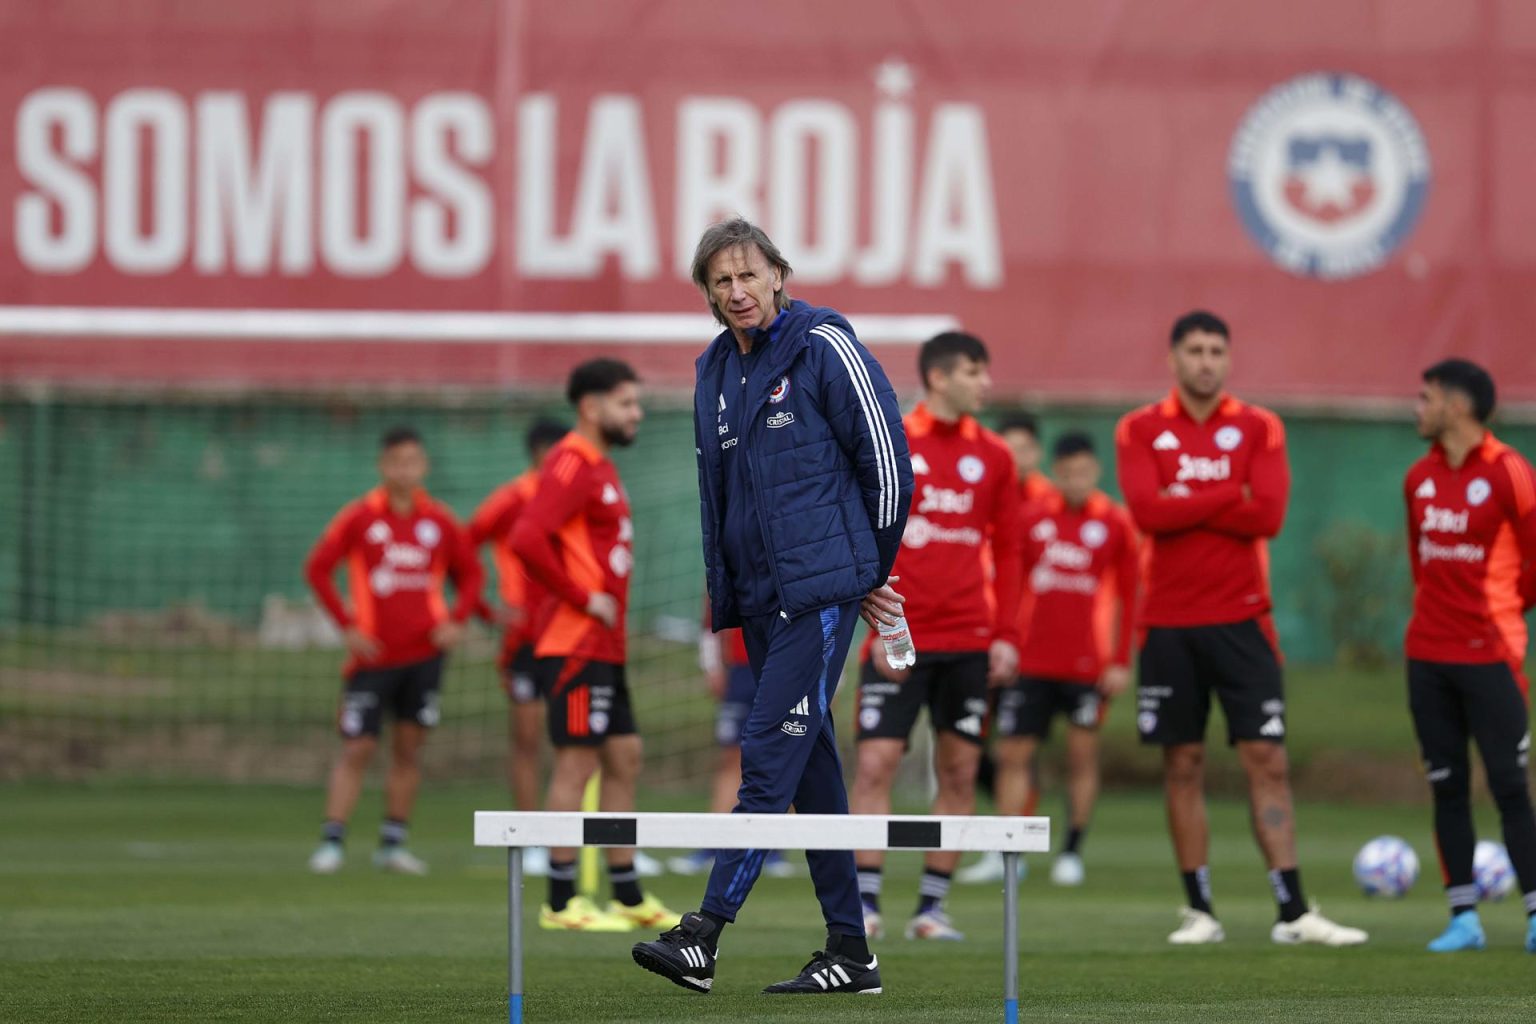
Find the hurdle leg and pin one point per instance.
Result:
(515, 935)
(1011, 938)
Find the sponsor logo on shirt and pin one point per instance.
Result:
(1478, 491)
(1167, 441)
(1444, 520)
(1199, 467)
(944, 499)
(1429, 551)
(406, 556)
(1046, 579)
(921, 532)
(780, 419)
(1228, 438)
(729, 442)
(1068, 555)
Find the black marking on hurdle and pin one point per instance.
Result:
(910, 834)
(608, 831)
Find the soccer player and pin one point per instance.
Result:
(1472, 544)
(964, 520)
(804, 484)
(398, 544)
(524, 609)
(728, 674)
(575, 539)
(1080, 567)
(1205, 478)
(1020, 431)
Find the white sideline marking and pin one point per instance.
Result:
(426, 326)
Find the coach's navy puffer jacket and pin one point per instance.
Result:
(828, 460)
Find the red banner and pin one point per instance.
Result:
(235, 193)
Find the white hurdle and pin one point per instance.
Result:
(516, 830)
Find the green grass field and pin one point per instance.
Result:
(191, 903)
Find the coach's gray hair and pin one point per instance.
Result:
(728, 234)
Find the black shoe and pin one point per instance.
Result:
(680, 954)
(832, 972)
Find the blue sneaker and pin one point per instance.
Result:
(1465, 932)
(1530, 936)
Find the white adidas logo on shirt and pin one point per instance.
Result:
(919, 466)
(1167, 441)
(1426, 490)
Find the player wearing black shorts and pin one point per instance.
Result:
(1205, 478)
(1471, 504)
(964, 622)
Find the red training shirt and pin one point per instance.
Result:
(965, 505)
(575, 538)
(492, 524)
(395, 570)
(1208, 495)
(1033, 486)
(1472, 545)
(1081, 567)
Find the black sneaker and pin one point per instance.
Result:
(832, 972)
(680, 954)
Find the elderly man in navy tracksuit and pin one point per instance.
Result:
(805, 484)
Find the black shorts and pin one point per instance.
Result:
(1181, 666)
(1027, 707)
(521, 677)
(953, 686)
(588, 701)
(410, 692)
(1454, 703)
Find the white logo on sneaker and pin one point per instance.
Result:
(1167, 441)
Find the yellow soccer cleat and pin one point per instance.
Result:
(649, 913)
(581, 915)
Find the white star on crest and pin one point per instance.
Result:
(1329, 180)
(894, 78)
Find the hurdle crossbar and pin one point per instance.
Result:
(516, 830)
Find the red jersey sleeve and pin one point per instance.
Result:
(1520, 505)
(563, 491)
(1154, 511)
(1262, 511)
(495, 516)
(329, 550)
(1007, 555)
(1127, 579)
(1413, 525)
(465, 568)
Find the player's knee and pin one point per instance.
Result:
(359, 751)
(1184, 768)
(1267, 763)
(1510, 792)
(1451, 785)
(877, 768)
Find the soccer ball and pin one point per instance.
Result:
(1492, 871)
(1386, 866)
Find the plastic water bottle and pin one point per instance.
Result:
(899, 652)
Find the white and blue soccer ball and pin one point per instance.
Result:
(1386, 866)
(1492, 871)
